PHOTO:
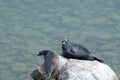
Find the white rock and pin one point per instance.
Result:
(73, 69)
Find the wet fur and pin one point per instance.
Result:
(51, 64)
(76, 51)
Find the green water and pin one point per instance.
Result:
(28, 26)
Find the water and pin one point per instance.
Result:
(28, 26)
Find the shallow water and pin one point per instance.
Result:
(28, 26)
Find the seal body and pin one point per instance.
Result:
(76, 51)
(73, 50)
(50, 64)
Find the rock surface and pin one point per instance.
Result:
(72, 69)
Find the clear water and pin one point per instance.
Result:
(28, 26)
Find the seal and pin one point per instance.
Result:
(50, 64)
(73, 50)
(76, 51)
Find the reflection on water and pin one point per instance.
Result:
(27, 26)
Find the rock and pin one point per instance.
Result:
(72, 69)
(37, 75)
(86, 70)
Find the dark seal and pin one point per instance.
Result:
(50, 64)
(76, 51)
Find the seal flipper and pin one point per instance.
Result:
(98, 59)
(49, 71)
